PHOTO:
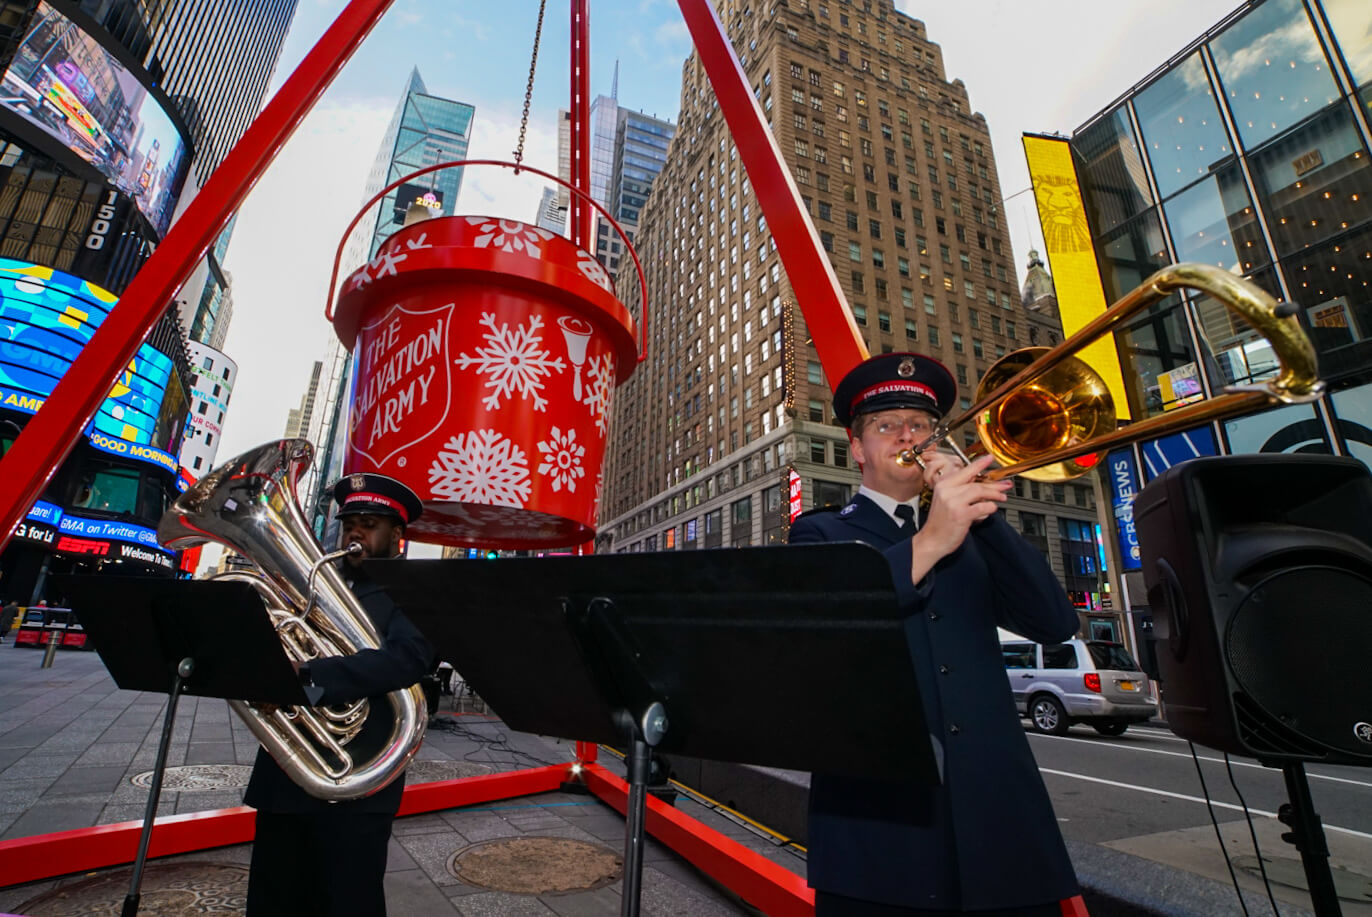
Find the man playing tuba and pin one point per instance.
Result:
(329, 858)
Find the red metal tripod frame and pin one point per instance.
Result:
(48, 437)
(837, 341)
(46, 856)
(773, 889)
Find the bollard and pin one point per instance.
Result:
(54, 638)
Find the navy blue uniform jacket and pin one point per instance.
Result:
(987, 836)
(401, 661)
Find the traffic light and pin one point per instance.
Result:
(492, 554)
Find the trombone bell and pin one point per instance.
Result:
(1067, 405)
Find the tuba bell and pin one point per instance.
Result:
(248, 505)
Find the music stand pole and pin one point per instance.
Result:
(641, 737)
(183, 671)
(1307, 834)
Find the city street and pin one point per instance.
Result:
(1139, 793)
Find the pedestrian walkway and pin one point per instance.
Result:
(76, 751)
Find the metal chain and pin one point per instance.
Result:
(529, 90)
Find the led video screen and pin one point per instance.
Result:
(63, 81)
(410, 193)
(46, 318)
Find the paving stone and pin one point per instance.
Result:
(46, 817)
(35, 766)
(600, 902)
(210, 753)
(85, 780)
(409, 891)
(108, 753)
(501, 904)
(431, 852)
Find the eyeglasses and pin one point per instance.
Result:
(894, 426)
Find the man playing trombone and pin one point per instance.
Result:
(985, 839)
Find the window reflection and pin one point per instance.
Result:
(1314, 183)
(1333, 286)
(1213, 223)
(1289, 428)
(1239, 354)
(1181, 126)
(1273, 70)
(1159, 366)
(1353, 419)
(1130, 254)
(1113, 184)
(1351, 22)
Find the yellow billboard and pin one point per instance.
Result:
(1071, 256)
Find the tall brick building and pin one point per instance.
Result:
(900, 181)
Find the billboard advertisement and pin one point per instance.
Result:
(1072, 256)
(51, 525)
(46, 318)
(65, 83)
(410, 193)
(1123, 487)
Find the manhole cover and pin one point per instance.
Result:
(198, 777)
(536, 865)
(433, 771)
(168, 890)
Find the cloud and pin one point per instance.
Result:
(492, 191)
(281, 257)
(478, 30)
(674, 33)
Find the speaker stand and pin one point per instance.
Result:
(1307, 834)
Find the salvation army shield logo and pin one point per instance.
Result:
(402, 387)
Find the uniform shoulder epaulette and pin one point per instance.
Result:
(828, 508)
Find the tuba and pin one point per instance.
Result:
(248, 505)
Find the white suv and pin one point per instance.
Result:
(1080, 681)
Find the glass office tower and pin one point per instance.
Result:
(1249, 151)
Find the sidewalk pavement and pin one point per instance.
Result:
(75, 751)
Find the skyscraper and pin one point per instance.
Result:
(214, 59)
(900, 181)
(628, 150)
(425, 130)
(161, 88)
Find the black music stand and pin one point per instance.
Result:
(791, 657)
(207, 639)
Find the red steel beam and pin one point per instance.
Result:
(48, 437)
(835, 334)
(579, 215)
(775, 891)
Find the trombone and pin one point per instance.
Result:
(1045, 414)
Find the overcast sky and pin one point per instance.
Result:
(1029, 65)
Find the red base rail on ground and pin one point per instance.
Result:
(46, 856)
(774, 890)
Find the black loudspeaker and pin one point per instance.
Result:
(1259, 574)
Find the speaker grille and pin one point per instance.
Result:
(1298, 646)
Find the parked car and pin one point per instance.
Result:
(1081, 681)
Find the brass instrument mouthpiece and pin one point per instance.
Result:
(909, 457)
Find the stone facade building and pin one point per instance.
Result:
(897, 173)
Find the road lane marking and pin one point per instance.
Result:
(1214, 802)
(1181, 754)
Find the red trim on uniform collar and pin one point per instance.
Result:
(892, 385)
(362, 496)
